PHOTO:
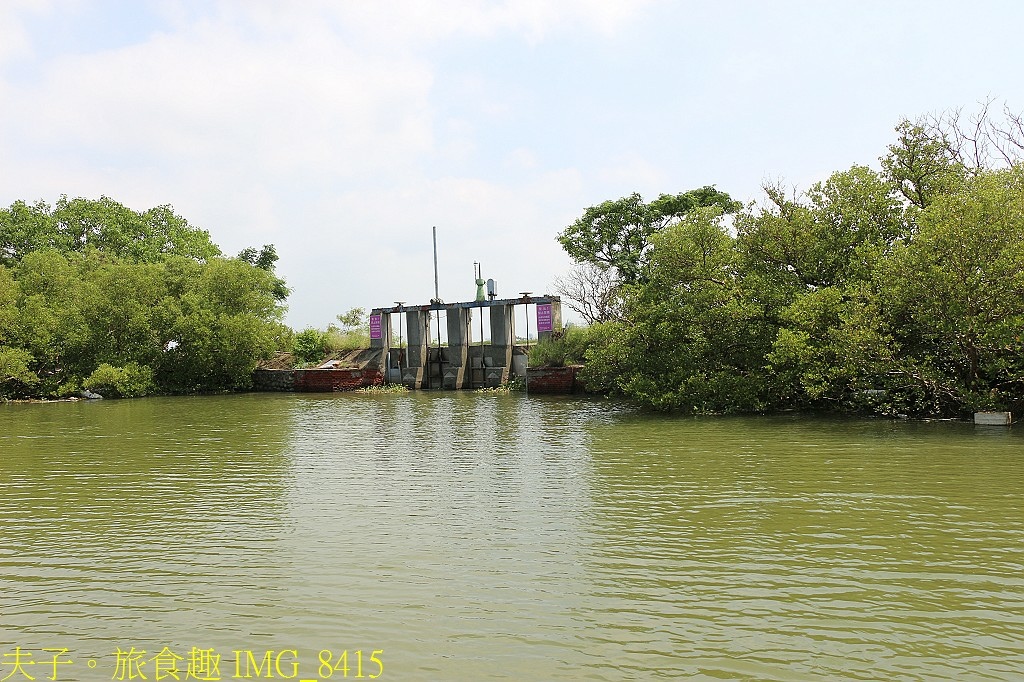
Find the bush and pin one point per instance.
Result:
(15, 375)
(568, 348)
(383, 388)
(310, 345)
(284, 338)
(68, 388)
(131, 381)
(346, 339)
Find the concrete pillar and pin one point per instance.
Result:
(498, 356)
(380, 339)
(418, 333)
(456, 356)
(501, 325)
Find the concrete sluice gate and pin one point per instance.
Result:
(422, 361)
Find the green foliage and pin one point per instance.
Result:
(920, 165)
(516, 385)
(15, 376)
(956, 295)
(68, 388)
(265, 259)
(617, 233)
(341, 340)
(92, 283)
(104, 225)
(283, 336)
(567, 348)
(831, 352)
(354, 317)
(837, 236)
(310, 345)
(10, 293)
(131, 381)
(692, 339)
(383, 388)
(893, 293)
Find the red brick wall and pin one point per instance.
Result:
(326, 380)
(551, 379)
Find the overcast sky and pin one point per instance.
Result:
(342, 131)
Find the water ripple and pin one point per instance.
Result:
(510, 537)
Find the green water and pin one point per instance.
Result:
(488, 537)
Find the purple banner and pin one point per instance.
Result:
(375, 327)
(544, 317)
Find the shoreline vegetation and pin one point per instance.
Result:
(897, 292)
(894, 292)
(97, 297)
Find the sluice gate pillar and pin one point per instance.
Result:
(427, 363)
(497, 359)
(456, 356)
(416, 358)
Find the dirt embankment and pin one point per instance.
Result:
(348, 359)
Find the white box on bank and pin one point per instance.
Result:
(993, 418)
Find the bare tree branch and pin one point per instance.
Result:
(592, 291)
(981, 142)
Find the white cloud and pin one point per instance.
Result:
(211, 94)
(419, 22)
(264, 90)
(14, 37)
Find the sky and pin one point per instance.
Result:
(342, 132)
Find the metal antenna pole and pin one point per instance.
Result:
(436, 294)
(483, 375)
(437, 299)
(526, 299)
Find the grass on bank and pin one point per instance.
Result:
(383, 388)
(311, 345)
(568, 348)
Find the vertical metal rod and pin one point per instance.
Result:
(483, 375)
(526, 372)
(526, 300)
(436, 294)
(437, 298)
(527, 329)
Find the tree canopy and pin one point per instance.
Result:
(104, 225)
(893, 292)
(617, 234)
(96, 295)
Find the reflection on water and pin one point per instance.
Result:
(504, 537)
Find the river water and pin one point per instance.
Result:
(502, 537)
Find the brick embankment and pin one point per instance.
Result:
(324, 380)
(316, 380)
(556, 380)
